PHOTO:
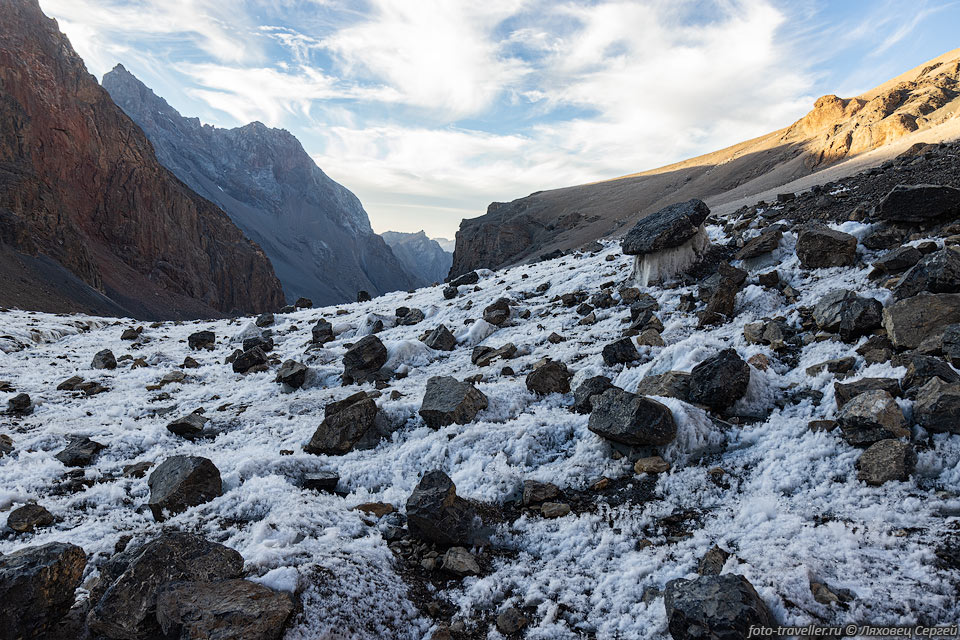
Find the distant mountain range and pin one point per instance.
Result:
(315, 231)
(90, 220)
(422, 256)
(925, 99)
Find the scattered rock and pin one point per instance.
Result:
(483, 355)
(550, 377)
(554, 509)
(909, 322)
(584, 394)
(921, 368)
(129, 334)
(886, 460)
(844, 392)
(535, 492)
(412, 317)
(447, 401)
(666, 229)
(498, 312)
(938, 272)
(181, 482)
(80, 452)
(820, 247)
(897, 260)
(672, 384)
(292, 373)
(620, 352)
(511, 621)
(937, 406)
(461, 562)
(104, 360)
(20, 405)
(37, 588)
(321, 481)
(322, 332)
(764, 243)
(264, 342)
(250, 360)
(303, 303)
(630, 419)
(466, 279)
(436, 513)
(28, 517)
(711, 564)
(919, 203)
(870, 417)
(720, 607)
(362, 362)
(440, 339)
(265, 320)
(363, 296)
(652, 464)
(838, 366)
(449, 292)
(346, 423)
(719, 381)
(202, 340)
(189, 426)
(848, 314)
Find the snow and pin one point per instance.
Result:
(790, 506)
(662, 266)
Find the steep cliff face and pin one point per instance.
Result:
(315, 231)
(82, 191)
(420, 255)
(836, 129)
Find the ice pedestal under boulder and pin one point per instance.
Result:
(667, 242)
(662, 266)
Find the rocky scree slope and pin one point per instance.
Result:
(837, 128)
(420, 255)
(314, 230)
(89, 220)
(543, 452)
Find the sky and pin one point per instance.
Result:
(429, 110)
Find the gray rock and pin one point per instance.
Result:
(848, 314)
(870, 417)
(28, 517)
(181, 482)
(236, 609)
(126, 606)
(844, 392)
(248, 360)
(764, 243)
(950, 344)
(714, 608)
(672, 384)
(919, 203)
(447, 401)
(265, 319)
(346, 423)
(632, 420)
(202, 340)
(468, 278)
(189, 426)
(483, 355)
(440, 339)
(620, 351)
(461, 562)
(321, 481)
(886, 460)
(322, 332)
(550, 377)
(937, 406)
(535, 492)
(909, 322)
(104, 360)
(511, 620)
(820, 247)
(670, 227)
(37, 588)
(897, 260)
(554, 509)
(292, 373)
(498, 312)
(80, 452)
(264, 342)
(303, 303)
(921, 368)
(412, 317)
(362, 362)
(20, 405)
(129, 334)
(584, 394)
(938, 272)
(711, 564)
(436, 513)
(449, 292)
(719, 381)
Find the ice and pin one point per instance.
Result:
(662, 266)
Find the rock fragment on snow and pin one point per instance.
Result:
(886, 460)
(870, 417)
(632, 420)
(549, 377)
(37, 587)
(447, 401)
(721, 607)
(181, 482)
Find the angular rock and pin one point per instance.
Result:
(536, 492)
(264, 342)
(870, 417)
(292, 373)
(550, 377)
(322, 332)
(37, 588)
(911, 321)
(838, 366)
(719, 381)
(249, 360)
(554, 509)
(20, 405)
(919, 203)
(897, 260)
(498, 312)
(104, 360)
(711, 564)
(322, 481)
(668, 228)
(938, 272)
(265, 319)
(412, 317)
(468, 278)
(511, 620)
(672, 384)
(876, 349)
(845, 392)
(28, 517)
(461, 562)
(720, 607)
(650, 338)
(189, 426)
(588, 389)
(820, 247)
(921, 368)
(436, 513)
(483, 356)
(131, 581)
(303, 303)
(621, 351)
(362, 362)
(440, 339)
(848, 314)
(651, 464)
(181, 482)
(447, 401)
(630, 419)
(886, 460)
(346, 423)
(202, 340)
(236, 609)
(937, 406)
(950, 344)
(363, 296)
(764, 243)
(80, 452)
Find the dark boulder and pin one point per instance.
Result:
(447, 401)
(764, 243)
(292, 373)
(264, 342)
(719, 381)
(937, 406)
(549, 377)
(897, 260)
(845, 392)
(468, 278)
(620, 351)
(303, 303)
(938, 272)
(322, 332)
(181, 482)
(362, 362)
(440, 339)
(820, 247)
(202, 340)
(498, 312)
(911, 321)
(848, 314)
(449, 292)
(870, 417)
(588, 389)
(921, 368)
(189, 426)
(80, 452)
(950, 344)
(20, 405)
(249, 360)
(363, 296)
(722, 607)
(265, 319)
(104, 360)
(886, 460)
(672, 384)
(630, 419)
(29, 517)
(37, 588)
(412, 317)
(667, 228)
(919, 203)
(346, 423)
(436, 513)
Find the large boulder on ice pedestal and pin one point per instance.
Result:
(667, 242)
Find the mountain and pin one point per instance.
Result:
(89, 219)
(446, 244)
(924, 99)
(422, 256)
(315, 231)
